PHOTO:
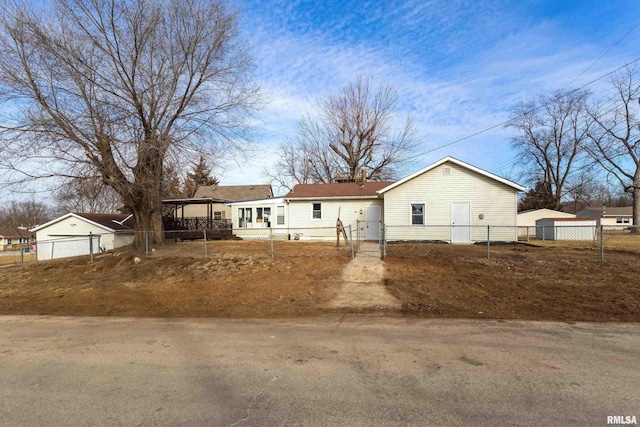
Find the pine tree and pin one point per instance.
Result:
(539, 197)
(200, 177)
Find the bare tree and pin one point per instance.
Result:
(28, 213)
(551, 133)
(358, 128)
(87, 194)
(615, 138)
(114, 87)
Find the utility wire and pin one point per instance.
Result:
(521, 115)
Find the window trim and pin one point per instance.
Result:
(278, 215)
(424, 213)
(313, 211)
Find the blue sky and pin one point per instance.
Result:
(459, 66)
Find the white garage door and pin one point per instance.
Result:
(66, 246)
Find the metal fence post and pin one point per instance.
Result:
(205, 242)
(273, 255)
(146, 243)
(601, 244)
(91, 246)
(21, 255)
(351, 241)
(384, 241)
(488, 241)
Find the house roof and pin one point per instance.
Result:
(234, 193)
(336, 190)
(456, 162)
(545, 211)
(267, 201)
(610, 211)
(13, 232)
(108, 221)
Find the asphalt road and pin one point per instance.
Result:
(339, 372)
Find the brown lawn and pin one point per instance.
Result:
(240, 279)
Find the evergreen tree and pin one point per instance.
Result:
(539, 197)
(200, 177)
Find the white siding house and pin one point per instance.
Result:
(609, 216)
(68, 235)
(254, 219)
(452, 201)
(315, 208)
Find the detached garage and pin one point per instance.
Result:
(566, 229)
(69, 235)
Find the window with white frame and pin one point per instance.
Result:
(623, 220)
(280, 215)
(217, 215)
(316, 210)
(417, 213)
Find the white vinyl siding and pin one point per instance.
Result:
(77, 230)
(495, 201)
(350, 212)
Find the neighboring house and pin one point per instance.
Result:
(621, 216)
(527, 219)
(457, 200)
(68, 235)
(13, 238)
(219, 195)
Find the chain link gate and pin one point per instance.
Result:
(369, 231)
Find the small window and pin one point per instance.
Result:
(417, 214)
(280, 215)
(623, 220)
(316, 209)
(446, 170)
(258, 214)
(217, 215)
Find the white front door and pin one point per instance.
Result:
(460, 221)
(373, 223)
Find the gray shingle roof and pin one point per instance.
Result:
(235, 193)
(345, 189)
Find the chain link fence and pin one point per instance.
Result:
(600, 239)
(272, 242)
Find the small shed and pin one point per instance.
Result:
(566, 229)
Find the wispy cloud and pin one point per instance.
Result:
(459, 66)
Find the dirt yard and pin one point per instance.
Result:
(517, 282)
(240, 279)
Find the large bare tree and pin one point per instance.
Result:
(116, 86)
(549, 143)
(358, 128)
(615, 138)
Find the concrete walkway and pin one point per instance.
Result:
(363, 281)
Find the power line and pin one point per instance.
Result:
(521, 115)
(603, 55)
